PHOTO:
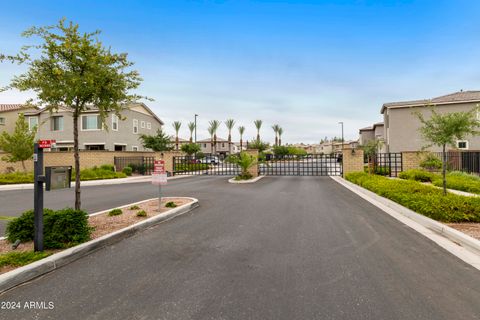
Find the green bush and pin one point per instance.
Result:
(170, 204)
(98, 174)
(424, 199)
(128, 171)
(21, 258)
(115, 212)
(380, 170)
(460, 181)
(62, 228)
(245, 176)
(108, 167)
(417, 175)
(431, 162)
(141, 213)
(134, 207)
(16, 177)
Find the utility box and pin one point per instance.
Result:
(58, 177)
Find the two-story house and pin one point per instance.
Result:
(222, 147)
(119, 134)
(402, 125)
(373, 133)
(9, 115)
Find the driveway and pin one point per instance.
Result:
(283, 248)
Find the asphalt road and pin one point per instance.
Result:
(283, 248)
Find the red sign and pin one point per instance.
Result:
(159, 167)
(44, 144)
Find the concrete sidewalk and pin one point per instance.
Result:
(136, 179)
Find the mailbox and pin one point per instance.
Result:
(58, 177)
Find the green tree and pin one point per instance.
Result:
(370, 149)
(214, 125)
(275, 128)
(230, 123)
(241, 131)
(19, 144)
(191, 127)
(280, 132)
(261, 146)
(444, 129)
(245, 161)
(159, 142)
(73, 69)
(190, 148)
(176, 126)
(258, 125)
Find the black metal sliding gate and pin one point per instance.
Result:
(208, 165)
(302, 165)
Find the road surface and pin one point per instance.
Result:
(282, 248)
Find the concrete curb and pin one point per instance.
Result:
(459, 238)
(232, 180)
(26, 273)
(102, 182)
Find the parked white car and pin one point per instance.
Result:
(210, 160)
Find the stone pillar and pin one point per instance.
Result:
(168, 157)
(411, 160)
(253, 169)
(352, 160)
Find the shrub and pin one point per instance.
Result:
(98, 174)
(461, 181)
(380, 170)
(16, 177)
(424, 199)
(141, 213)
(108, 167)
(245, 176)
(115, 212)
(431, 162)
(62, 228)
(170, 204)
(134, 207)
(21, 258)
(127, 171)
(417, 175)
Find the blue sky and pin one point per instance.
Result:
(303, 64)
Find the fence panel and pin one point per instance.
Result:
(388, 164)
(139, 165)
(466, 161)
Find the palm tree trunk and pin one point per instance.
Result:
(176, 142)
(276, 140)
(211, 145)
(76, 154)
(258, 137)
(215, 142)
(241, 144)
(229, 143)
(279, 141)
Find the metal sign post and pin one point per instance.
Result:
(159, 177)
(39, 178)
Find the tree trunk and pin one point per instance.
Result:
(444, 170)
(279, 141)
(191, 140)
(276, 141)
(76, 154)
(215, 143)
(241, 144)
(211, 145)
(258, 137)
(24, 167)
(229, 143)
(176, 142)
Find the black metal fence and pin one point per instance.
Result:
(207, 164)
(386, 164)
(302, 165)
(139, 165)
(466, 161)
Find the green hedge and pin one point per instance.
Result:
(191, 166)
(421, 198)
(16, 177)
(62, 228)
(460, 181)
(380, 170)
(418, 175)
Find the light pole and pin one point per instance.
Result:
(196, 115)
(341, 122)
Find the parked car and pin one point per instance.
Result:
(210, 160)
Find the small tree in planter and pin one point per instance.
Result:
(245, 161)
(370, 150)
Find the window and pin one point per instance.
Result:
(462, 144)
(57, 123)
(91, 122)
(120, 147)
(134, 148)
(142, 124)
(204, 145)
(149, 125)
(32, 122)
(135, 126)
(95, 147)
(2, 121)
(114, 122)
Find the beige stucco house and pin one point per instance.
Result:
(373, 133)
(221, 146)
(122, 134)
(402, 126)
(9, 115)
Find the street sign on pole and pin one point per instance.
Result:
(46, 144)
(159, 177)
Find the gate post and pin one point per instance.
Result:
(352, 160)
(254, 169)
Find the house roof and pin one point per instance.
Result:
(456, 97)
(14, 107)
(371, 128)
(210, 140)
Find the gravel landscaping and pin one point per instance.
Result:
(471, 229)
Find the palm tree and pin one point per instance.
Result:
(176, 126)
(211, 132)
(191, 127)
(275, 128)
(280, 132)
(241, 130)
(230, 123)
(258, 125)
(214, 124)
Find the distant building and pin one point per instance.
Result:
(221, 147)
(9, 115)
